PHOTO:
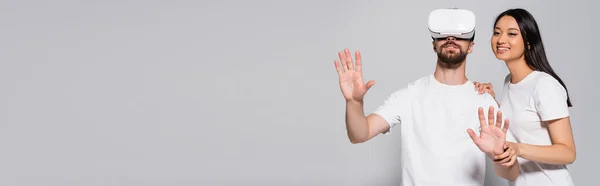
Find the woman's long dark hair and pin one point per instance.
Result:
(535, 56)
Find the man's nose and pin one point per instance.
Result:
(450, 38)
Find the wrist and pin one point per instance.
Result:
(490, 155)
(518, 149)
(354, 102)
(495, 153)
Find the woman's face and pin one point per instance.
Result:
(507, 41)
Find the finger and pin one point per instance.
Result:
(489, 90)
(473, 136)
(343, 61)
(513, 159)
(337, 67)
(349, 60)
(507, 159)
(476, 85)
(504, 155)
(491, 115)
(481, 117)
(506, 125)
(358, 61)
(513, 152)
(503, 160)
(499, 119)
(370, 84)
(481, 87)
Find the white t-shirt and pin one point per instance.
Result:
(433, 120)
(537, 98)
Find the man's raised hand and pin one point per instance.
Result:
(492, 135)
(351, 81)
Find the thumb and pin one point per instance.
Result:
(370, 84)
(473, 136)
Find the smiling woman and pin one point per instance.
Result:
(536, 101)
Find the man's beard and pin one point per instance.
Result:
(454, 60)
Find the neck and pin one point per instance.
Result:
(454, 75)
(518, 69)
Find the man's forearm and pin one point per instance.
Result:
(356, 122)
(510, 173)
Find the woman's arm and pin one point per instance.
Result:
(561, 152)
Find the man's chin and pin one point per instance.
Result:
(451, 62)
(451, 53)
(451, 56)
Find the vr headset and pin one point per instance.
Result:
(445, 22)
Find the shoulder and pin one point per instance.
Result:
(548, 93)
(549, 97)
(544, 78)
(422, 81)
(488, 100)
(410, 89)
(416, 85)
(545, 83)
(485, 99)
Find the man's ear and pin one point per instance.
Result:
(433, 43)
(471, 46)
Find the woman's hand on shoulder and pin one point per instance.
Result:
(485, 87)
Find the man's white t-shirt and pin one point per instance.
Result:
(433, 120)
(535, 99)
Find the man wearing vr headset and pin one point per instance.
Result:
(437, 113)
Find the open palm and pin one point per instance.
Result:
(493, 135)
(351, 80)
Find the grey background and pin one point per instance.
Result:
(149, 93)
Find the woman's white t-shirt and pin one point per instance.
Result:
(537, 98)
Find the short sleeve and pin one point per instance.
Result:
(393, 107)
(550, 99)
